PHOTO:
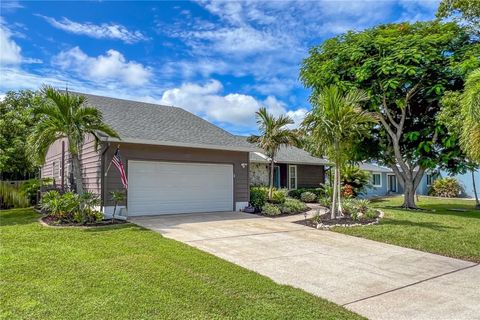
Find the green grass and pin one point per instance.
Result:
(127, 272)
(435, 229)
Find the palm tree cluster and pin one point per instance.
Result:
(65, 115)
(470, 109)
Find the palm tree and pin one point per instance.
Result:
(470, 106)
(273, 134)
(64, 115)
(333, 125)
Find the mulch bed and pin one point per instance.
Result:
(326, 222)
(53, 222)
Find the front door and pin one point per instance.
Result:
(392, 183)
(276, 177)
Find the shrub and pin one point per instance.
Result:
(370, 214)
(325, 201)
(258, 197)
(11, 197)
(445, 187)
(296, 193)
(270, 209)
(308, 197)
(31, 187)
(292, 206)
(348, 206)
(279, 196)
(362, 205)
(70, 207)
(356, 178)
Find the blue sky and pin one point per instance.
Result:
(219, 60)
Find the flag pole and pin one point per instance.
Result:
(110, 164)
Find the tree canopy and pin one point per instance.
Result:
(16, 121)
(405, 69)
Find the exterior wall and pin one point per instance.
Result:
(89, 159)
(258, 174)
(112, 181)
(382, 190)
(310, 176)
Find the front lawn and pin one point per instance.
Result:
(126, 272)
(435, 229)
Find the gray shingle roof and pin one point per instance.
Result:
(374, 168)
(147, 123)
(288, 154)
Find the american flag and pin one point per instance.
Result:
(117, 161)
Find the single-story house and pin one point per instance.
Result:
(382, 181)
(465, 180)
(175, 162)
(294, 168)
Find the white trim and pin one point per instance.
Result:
(121, 212)
(396, 182)
(239, 206)
(381, 182)
(296, 176)
(293, 162)
(179, 144)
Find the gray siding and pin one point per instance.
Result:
(310, 176)
(112, 181)
(89, 159)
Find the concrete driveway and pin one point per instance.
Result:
(374, 279)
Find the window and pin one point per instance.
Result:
(429, 179)
(376, 179)
(56, 169)
(292, 177)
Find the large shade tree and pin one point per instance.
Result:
(405, 69)
(274, 133)
(333, 126)
(65, 115)
(16, 122)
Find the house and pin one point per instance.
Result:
(294, 168)
(175, 161)
(465, 180)
(383, 181)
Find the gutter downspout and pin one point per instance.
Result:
(102, 173)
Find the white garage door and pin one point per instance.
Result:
(178, 187)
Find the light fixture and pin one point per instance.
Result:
(244, 165)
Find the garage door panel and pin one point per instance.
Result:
(170, 187)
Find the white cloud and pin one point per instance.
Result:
(102, 31)
(234, 108)
(10, 52)
(109, 67)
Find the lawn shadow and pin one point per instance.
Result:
(123, 226)
(427, 225)
(20, 216)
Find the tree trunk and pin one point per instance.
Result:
(333, 214)
(339, 182)
(270, 190)
(77, 173)
(475, 189)
(409, 196)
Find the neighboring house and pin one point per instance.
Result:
(465, 181)
(294, 168)
(382, 181)
(175, 161)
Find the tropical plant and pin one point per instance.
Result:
(273, 135)
(279, 196)
(356, 178)
(117, 197)
(10, 196)
(335, 122)
(445, 187)
(292, 206)
(405, 68)
(464, 11)
(64, 115)
(470, 109)
(271, 209)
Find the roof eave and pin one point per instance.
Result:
(179, 144)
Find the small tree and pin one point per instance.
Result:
(273, 134)
(117, 197)
(64, 115)
(334, 125)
